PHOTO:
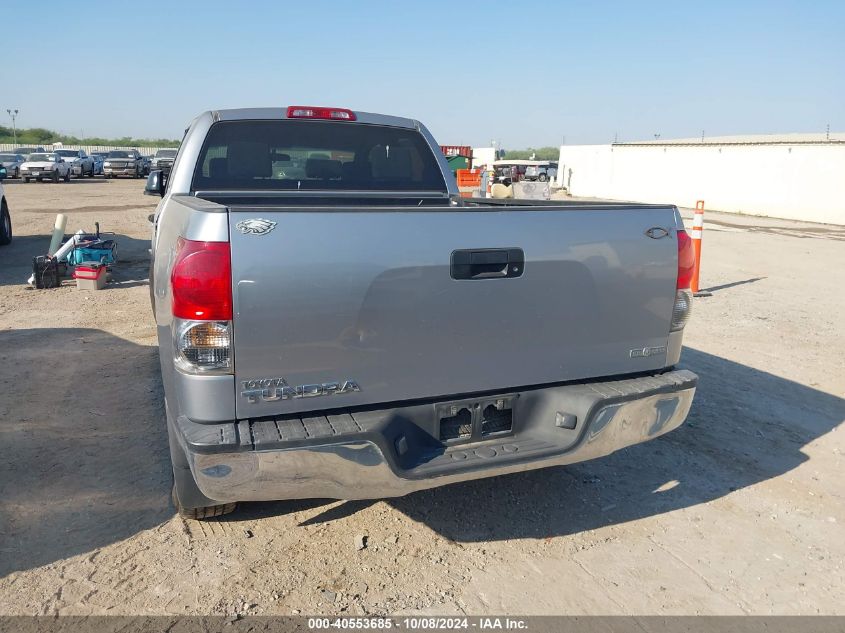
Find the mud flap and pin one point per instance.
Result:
(186, 490)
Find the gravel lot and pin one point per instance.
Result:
(742, 510)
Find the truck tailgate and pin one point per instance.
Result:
(369, 296)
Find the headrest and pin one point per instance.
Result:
(323, 168)
(392, 163)
(218, 168)
(250, 159)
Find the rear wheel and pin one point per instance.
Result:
(205, 512)
(5, 225)
(542, 177)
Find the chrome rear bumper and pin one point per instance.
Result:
(231, 464)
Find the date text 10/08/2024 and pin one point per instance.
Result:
(418, 623)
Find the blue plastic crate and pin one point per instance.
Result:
(103, 251)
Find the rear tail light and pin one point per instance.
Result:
(201, 292)
(686, 259)
(201, 281)
(203, 346)
(312, 112)
(682, 309)
(683, 297)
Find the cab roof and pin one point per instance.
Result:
(276, 113)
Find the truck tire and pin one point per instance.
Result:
(542, 177)
(5, 225)
(205, 512)
(188, 499)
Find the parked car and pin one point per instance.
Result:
(80, 163)
(122, 162)
(45, 165)
(99, 159)
(312, 340)
(163, 160)
(507, 174)
(541, 172)
(12, 163)
(5, 217)
(26, 151)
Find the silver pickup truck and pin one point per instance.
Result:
(335, 321)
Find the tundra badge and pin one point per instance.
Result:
(273, 389)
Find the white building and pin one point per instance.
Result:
(794, 176)
(482, 156)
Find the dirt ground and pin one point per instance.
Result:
(741, 510)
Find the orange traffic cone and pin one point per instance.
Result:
(697, 235)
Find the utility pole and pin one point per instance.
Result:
(14, 115)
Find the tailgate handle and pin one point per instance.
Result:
(487, 263)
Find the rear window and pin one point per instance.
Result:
(315, 155)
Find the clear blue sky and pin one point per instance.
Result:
(526, 74)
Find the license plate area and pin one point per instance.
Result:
(465, 421)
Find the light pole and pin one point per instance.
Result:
(14, 114)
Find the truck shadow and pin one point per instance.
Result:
(16, 258)
(745, 426)
(84, 443)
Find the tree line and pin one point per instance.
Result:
(540, 153)
(43, 136)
